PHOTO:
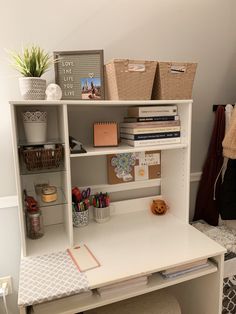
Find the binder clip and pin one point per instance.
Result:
(76, 147)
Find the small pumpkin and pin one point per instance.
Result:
(158, 207)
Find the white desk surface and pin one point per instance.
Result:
(138, 243)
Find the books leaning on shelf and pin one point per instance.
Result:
(184, 269)
(152, 111)
(123, 286)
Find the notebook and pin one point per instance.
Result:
(83, 257)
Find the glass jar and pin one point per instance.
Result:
(34, 223)
(49, 194)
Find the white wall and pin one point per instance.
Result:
(183, 30)
(9, 252)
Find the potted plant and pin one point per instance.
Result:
(32, 63)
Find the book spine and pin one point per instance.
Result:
(152, 111)
(172, 140)
(142, 137)
(149, 124)
(149, 130)
(152, 118)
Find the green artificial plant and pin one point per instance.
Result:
(32, 62)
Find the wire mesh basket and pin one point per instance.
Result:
(42, 158)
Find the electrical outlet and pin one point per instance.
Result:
(7, 280)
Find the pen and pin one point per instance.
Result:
(101, 200)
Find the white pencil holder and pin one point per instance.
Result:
(101, 215)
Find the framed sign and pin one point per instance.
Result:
(80, 74)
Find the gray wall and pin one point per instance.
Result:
(183, 30)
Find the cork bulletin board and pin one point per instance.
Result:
(80, 74)
(128, 167)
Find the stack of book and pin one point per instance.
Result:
(151, 125)
(185, 269)
(125, 286)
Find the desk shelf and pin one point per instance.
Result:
(122, 148)
(75, 304)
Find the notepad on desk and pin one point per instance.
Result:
(83, 258)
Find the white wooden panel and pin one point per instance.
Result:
(122, 148)
(175, 182)
(18, 181)
(99, 103)
(67, 180)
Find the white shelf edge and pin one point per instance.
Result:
(123, 186)
(12, 200)
(100, 102)
(98, 151)
(73, 304)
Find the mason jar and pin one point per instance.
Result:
(34, 224)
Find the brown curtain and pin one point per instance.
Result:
(206, 207)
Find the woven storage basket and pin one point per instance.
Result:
(129, 79)
(174, 80)
(41, 158)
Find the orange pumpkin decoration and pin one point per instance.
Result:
(158, 207)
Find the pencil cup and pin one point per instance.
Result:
(80, 219)
(101, 214)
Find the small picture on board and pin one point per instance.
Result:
(91, 88)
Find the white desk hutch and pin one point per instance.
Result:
(133, 242)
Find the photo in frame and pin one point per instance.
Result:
(80, 74)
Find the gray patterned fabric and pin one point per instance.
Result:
(47, 277)
(229, 295)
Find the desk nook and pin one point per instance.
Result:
(137, 251)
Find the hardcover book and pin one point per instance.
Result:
(151, 118)
(152, 111)
(149, 124)
(150, 130)
(149, 136)
(153, 142)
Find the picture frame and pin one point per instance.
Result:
(80, 74)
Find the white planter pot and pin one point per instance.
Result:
(32, 88)
(35, 125)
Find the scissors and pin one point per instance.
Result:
(86, 193)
